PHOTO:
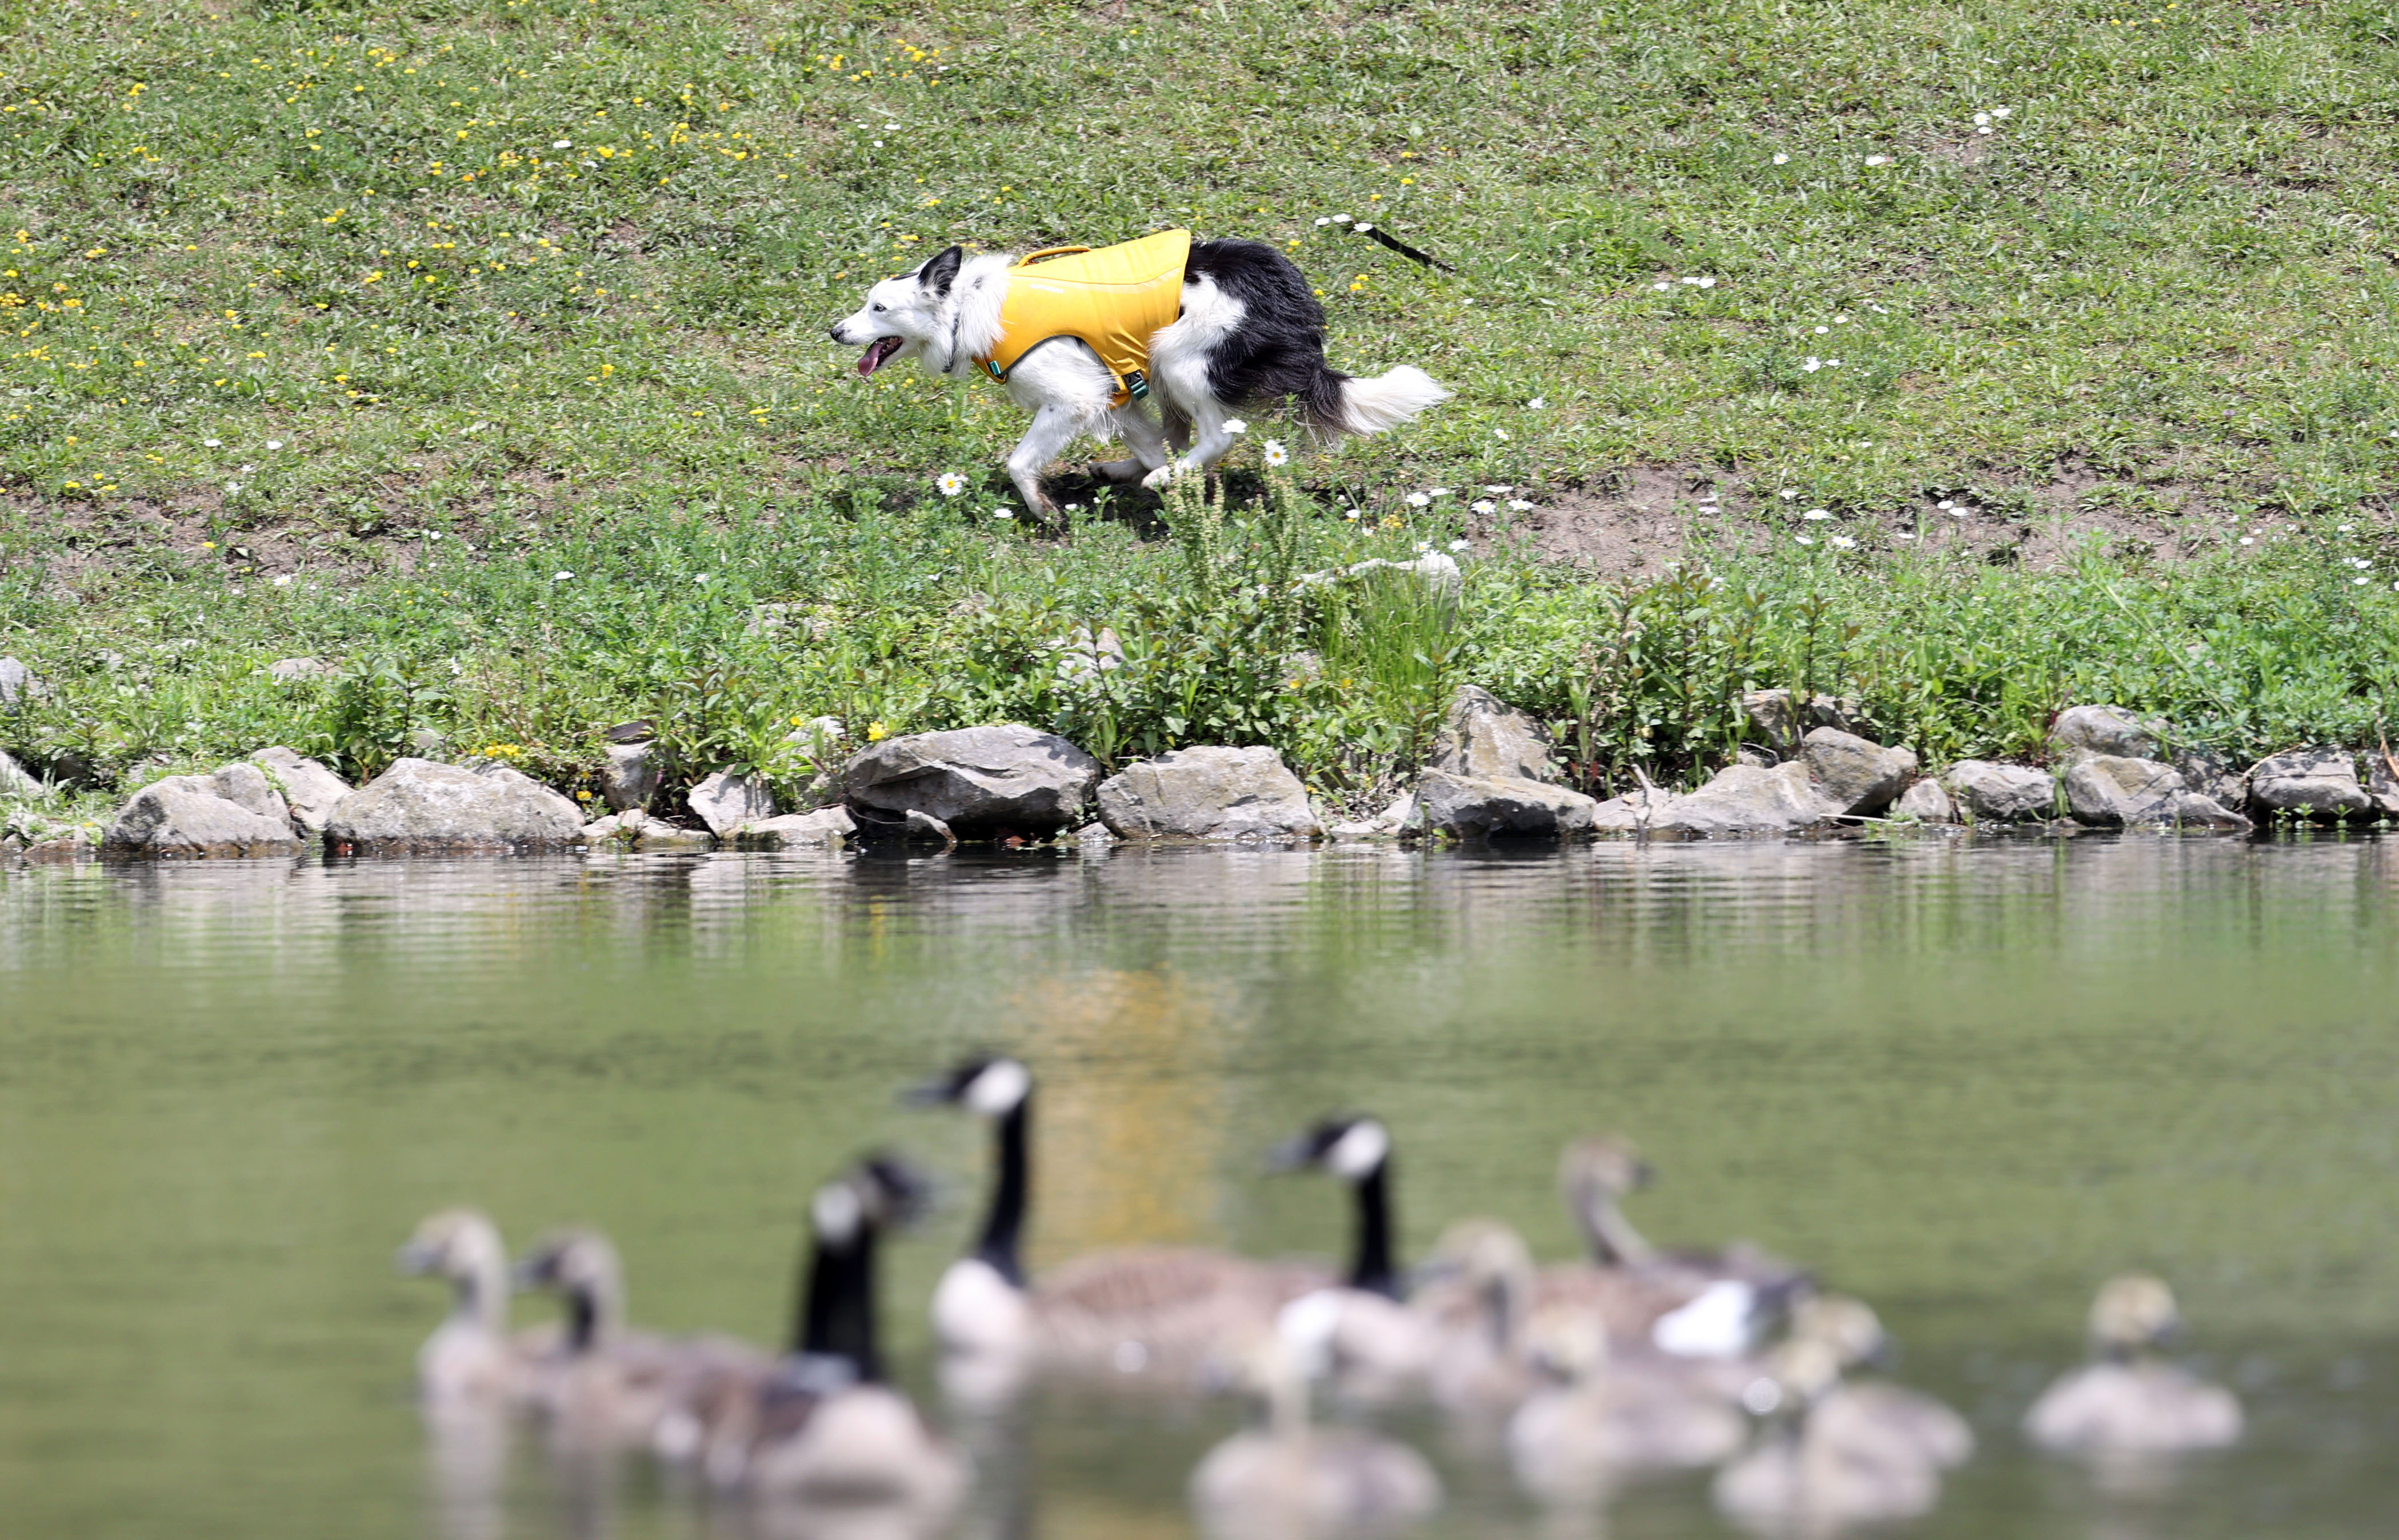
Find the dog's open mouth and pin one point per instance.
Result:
(877, 354)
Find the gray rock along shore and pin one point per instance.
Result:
(1491, 776)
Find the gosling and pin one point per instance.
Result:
(2128, 1401)
(1796, 1479)
(1290, 1478)
(470, 1356)
(1875, 1413)
(1597, 1424)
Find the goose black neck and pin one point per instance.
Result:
(836, 1314)
(1003, 1229)
(1372, 1269)
(582, 1321)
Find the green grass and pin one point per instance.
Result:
(2172, 260)
(319, 275)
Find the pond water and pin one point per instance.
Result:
(1964, 1079)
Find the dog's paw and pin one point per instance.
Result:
(1118, 472)
(1158, 478)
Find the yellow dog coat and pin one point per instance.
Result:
(1113, 299)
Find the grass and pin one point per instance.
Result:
(437, 300)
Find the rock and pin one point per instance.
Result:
(1483, 739)
(1990, 792)
(1390, 823)
(1780, 720)
(64, 847)
(1742, 799)
(2194, 810)
(1856, 775)
(977, 780)
(628, 775)
(2318, 782)
(2108, 730)
(654, 835)
(1207, 794)
(417, 804)
(1631, 813)
(725, 801)
(310, 790)
(639, 730)
(234, 812)
(826, 827)
(291, 670)
(17, 682)
(616, 828)
(2383, 785)
(1094, 836)
(16, 781)
(1471, 807)
(1926, 803)
(2210, 776)
(2111, 790)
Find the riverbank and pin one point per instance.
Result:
(731, 635)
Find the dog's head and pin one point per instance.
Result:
(901, 315)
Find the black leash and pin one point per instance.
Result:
(1403, 247)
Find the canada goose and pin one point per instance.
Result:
(470, 1356)
(603, 1385)
(1875, 1411)
(2127, 1400)
(1795, 1481)
(821, 1426)
(1291, 1478)
(1691, 1304)
(1149, 1315)
(1597, 1422)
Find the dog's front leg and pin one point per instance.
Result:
(1142, 436)
(1053, 429)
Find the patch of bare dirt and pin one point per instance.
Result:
(1638, 521)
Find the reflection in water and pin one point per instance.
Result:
(1965, 1080)
(466, 1458)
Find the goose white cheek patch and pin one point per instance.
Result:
(999, 1089)
(1356, 1154)
(836, 1213)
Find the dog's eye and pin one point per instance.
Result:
(877, 307)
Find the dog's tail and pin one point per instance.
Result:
(1342, 403)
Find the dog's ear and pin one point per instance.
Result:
(935, 275)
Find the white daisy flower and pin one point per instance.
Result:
(2346, 528)
(562, 143)
(1352, 516)
(2248, 540)
(1422, 499)
(2360, 581)
(1424, 547)
(1903, 534)
(951, 483)
(1832, 363)
(1840, 320)
(285, 581)
(1817, 515)
(1844, 542)
(1535, 403)
(1805, 540)
(1662, 284)
(1438, 492)
(1705, 283)
(1322, 222)
(1498, 488)
(1782, 160)
(1877, 161)
(233, 486)
(274, 443)
(699, 577)
(1275, 455)
(1788, 493)
(2002, 112)
(1944, 504)
(1235, 424)
(1519, 503)
(1878, 310)
(1485, 505)
(1812, 365)
(1694, 283)
(1981, 117)
(1340, 219)
(1984, 129)
(1823, 330)
(561, 577)
(1501, 434)
(1461, 544)
(210, 444)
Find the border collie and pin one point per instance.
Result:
(1251, 335)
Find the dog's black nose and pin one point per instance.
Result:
(834, 333)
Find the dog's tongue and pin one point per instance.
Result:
(876, 351)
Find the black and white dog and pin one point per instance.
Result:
(1251, 335)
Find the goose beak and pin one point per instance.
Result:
(1295, 1154)
(1644, 1175)
(415, 1259)
(1885, 1357)
(936, 1093)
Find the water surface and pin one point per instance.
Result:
(1965, 1080)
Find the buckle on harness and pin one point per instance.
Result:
(1136, 385)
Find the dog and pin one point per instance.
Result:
(1248, 335)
